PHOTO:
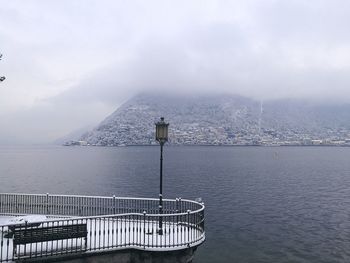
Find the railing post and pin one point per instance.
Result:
(8, 244)
(17, 204)
(188, 227)
(47, 203)
(25, 230)
(177, 210)
(144, 230)
(114, 205)
(79, 206)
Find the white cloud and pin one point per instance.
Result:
(89, 56)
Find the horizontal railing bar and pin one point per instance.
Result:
(110, 216)
(100, 197)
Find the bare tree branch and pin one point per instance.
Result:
(1, 78)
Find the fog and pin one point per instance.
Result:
(68, 64)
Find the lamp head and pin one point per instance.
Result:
(162, 131)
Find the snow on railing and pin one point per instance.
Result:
(75, 205)
(104, 224)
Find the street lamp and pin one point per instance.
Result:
(161, 137)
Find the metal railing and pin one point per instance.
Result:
(71, 205)
(111, 223)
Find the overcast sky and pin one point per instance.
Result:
(70, 63)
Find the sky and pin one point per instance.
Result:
(70, 63)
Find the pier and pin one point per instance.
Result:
(73, 227)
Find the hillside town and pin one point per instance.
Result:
(220, 120)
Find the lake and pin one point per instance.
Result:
(263, 204)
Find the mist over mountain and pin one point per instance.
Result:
(223, 120)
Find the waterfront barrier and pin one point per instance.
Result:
(77, 225)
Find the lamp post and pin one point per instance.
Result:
(162, 138)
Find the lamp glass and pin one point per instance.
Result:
(162, 131)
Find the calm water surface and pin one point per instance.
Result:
(278, 204)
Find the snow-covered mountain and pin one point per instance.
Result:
(221, 119)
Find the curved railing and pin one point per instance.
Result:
(74, 205)
(110, 223)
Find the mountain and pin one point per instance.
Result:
(222, 120)
(72, 136)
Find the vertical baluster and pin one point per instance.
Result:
(95, 234)
(18, 253)
(25, 204)
(99, 233)
(109, 227)
(140, 241)
(125, 238)
(59, 251)
(148, 232)
(100, 207)
(90, 233)
(188, 227)
(34, 203)
(157, 235)
(163, 237)
(113, 227)
(30, 201)
(51, 230)
(104, 231)
(64, 205)
(47, 242)
(25, 234)
(134, 228)
(138, 229)
(77, 229)
(137, 234)
(97, 206)
(121, 226)
(81, 245)
(181, 229)
(6, 204)
(168, 224)
(75, 205)
(128, 227)
(2, 239)
(92, 207)
(117, 232)
(47, 204)
(144, 229)
(114, 205)
(87, 206)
